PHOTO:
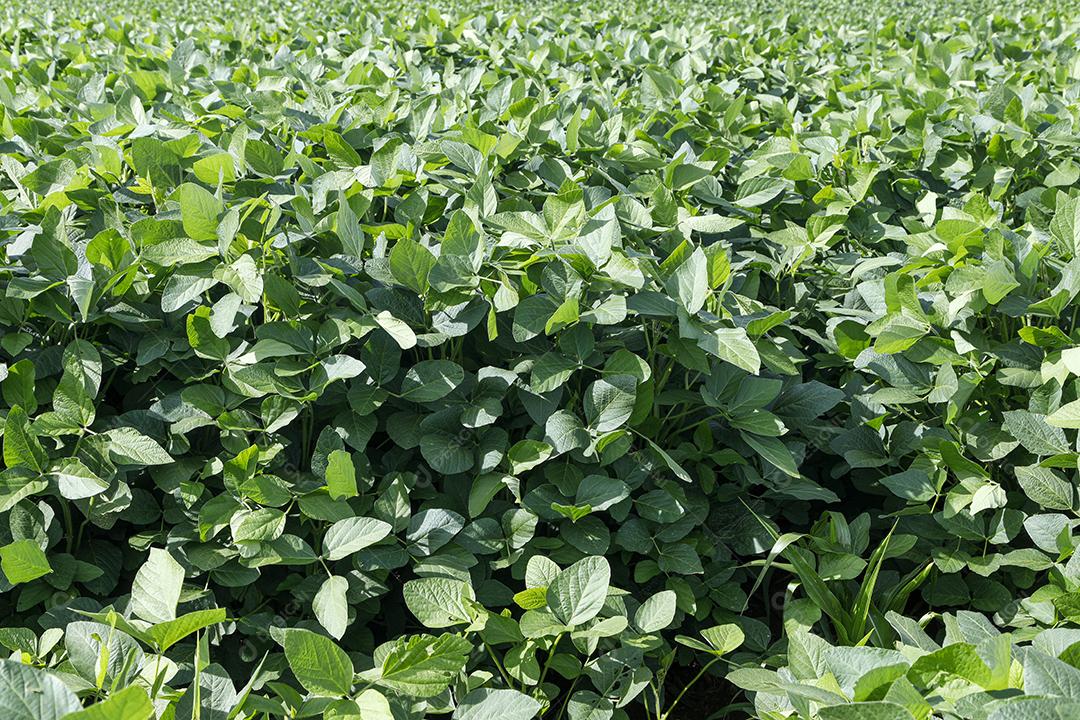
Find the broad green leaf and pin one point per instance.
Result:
(243, 278)
(213, 169)
(373, 705)
(439, 602)
(73, 399)
(723, 638)
(1034, 433)
(431, 380)
(1066, 416)
(527, 454)
(167, 634)
(351, 535)
(577, 594)
(319, 665)
(331, 606)
(340, 475)
(423, 665)
(1065, 225)
(410, 263)
(958, 659)
(76, 481)
(155, 591)
(878, 710)
(656, 613)
(690, 282)
(21, 446)
(774, 452)
(130, 703)
(28, 693)
(609, 402)
(732, 345)
(1048, 676)
(1046, 487)
(491, 704)
(23, 561)
(130, 447)
(102, 654)
(199, 210)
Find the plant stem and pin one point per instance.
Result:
(667, 713)
(69, 529)
(547, 662)
(498, 665)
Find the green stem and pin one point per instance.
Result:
(547, 662)
(364, 687)
(667, 713)
(69, 528)
(498, 666)
(306, 440)
(570, 692)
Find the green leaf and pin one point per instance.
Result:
(23, 561)
(423, 665)
(340, 475)
(439, 602)
(130, 703)
(1044, 675)
(527, 454)
(758, 191)
(723, 638)
(373, 705)
(21, 446)
(182, 289)
(958, 659)
(492, 704)
(212, 170)
(410, 264)
(18, 386)
(609, 402)
(130, 447)
(263, 158)
(167, 634)
(863, 599)
(331, 607)
(1044, 487)
(565, 315)
(913, 485)
(877, 710)
(431, 380)
(999, 282)
(1066, 416)
(690, 281)
(28, 693)
(243, 278)
(51, 248)
(50, 177)
(532, 599)
(156, 589)
(656, 613)
(202, 338)
(1035, 433)
(102, 653)
(1065, 226)
(349, 230)
(76, 481)
(199, 211)
(351, 535)
(318, 663)
(732, 345)
(773, 451)
(73, 399)
(577, 594)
